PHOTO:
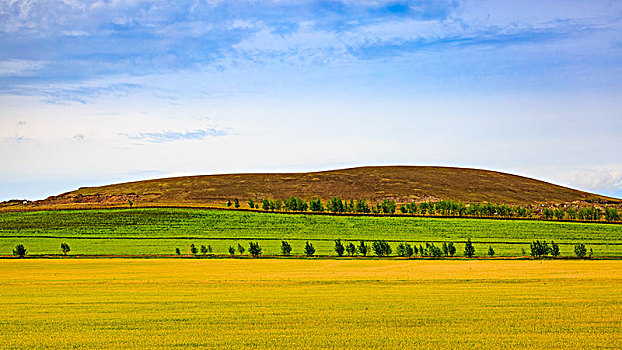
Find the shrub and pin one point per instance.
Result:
(193, 249)
(236, 203)
(177, 251)
(339, 248)
(579, 250)
(445, 248)
(65, 248)
(203, 249)
(363, 248)
(491, 252)
(286, 249)
(241, 249)
(469, 250)
(381, 248)
(231, 250)
(254, 249)
(20, 251)
(309, 249)
(251, 203)
(351, 249)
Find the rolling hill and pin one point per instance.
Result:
(400, 183)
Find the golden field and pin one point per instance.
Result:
(271, 303)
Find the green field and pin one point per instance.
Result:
(160, 231)
(231, 303)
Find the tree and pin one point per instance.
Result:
(452, 248)
(229, 203)
(309, 249)
(231, 250)
(539, 250)
(611, 214)
(203, 249)
(434, 251)
(554, 249)
(363, 248)
(265, 205)
(339, 248)
(236, 203)
(65, 248)
(209, 249)
(469, 250)
(351, 249)
(445, 248)
(177, 251)
(388, 206)
(241, 249)
(251, 203)
(405, 250)
(193, 249)
(579, 250)
(381, 248)
(286, 249)
(20, 251)
(491, 252)
(254, 249)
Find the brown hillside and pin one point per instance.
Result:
(400, 183)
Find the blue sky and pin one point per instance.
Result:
(97, 92)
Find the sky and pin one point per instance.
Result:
(100, 92)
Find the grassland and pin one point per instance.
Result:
(160, 231)
(156, 303)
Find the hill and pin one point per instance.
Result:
(400, 183)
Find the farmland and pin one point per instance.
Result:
(184, 303)
(160, 231)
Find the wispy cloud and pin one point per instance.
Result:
(172, 136)
(62, 94)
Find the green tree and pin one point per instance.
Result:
(65, 248)
(381, 248)
(539, 250)
(339, 248)
(20, 251)
(435, 251)
(491, 252)
(203, 249)
(231, 250)
(254, 249)
(469, 250)
(177, 251)
(251, 203)
(405, 250)
(286, 248)
(611, 214)
(350, 249)
(363, 248)
(579, 250)
(241, 249)
(229, 203)
(193, 249)
(445, 248)
(265, 205)
(452, 248)
(236, 203)
(554, 249)
(309, 249)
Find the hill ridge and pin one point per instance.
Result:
(402, 183)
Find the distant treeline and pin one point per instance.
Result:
(442, 207)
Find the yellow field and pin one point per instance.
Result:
(186, 303)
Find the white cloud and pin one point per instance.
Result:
(19, 67)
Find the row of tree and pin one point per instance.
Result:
(442, 207)
(538, 249)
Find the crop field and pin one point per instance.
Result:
(268, 303)
(160, 231)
